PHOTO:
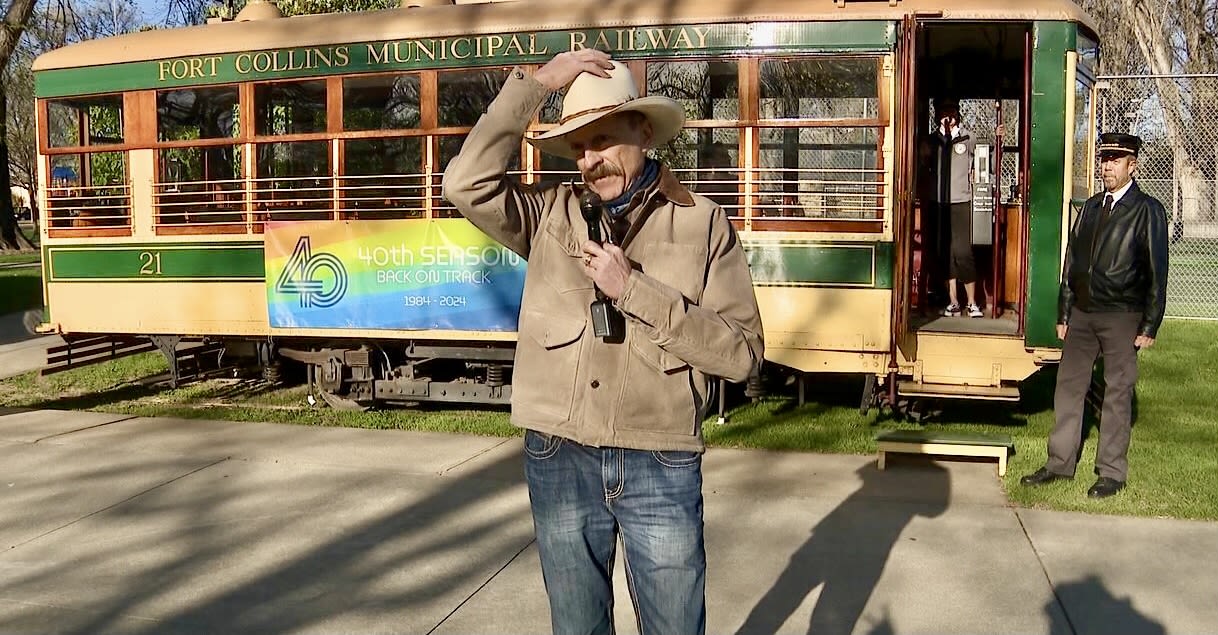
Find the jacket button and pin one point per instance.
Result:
(519, 75)
(596, 383)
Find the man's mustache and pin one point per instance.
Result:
(601, 171)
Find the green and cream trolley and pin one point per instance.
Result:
(272, 185)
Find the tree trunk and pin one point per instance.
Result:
(15, 19)
(1193, 195)
(1160, 57)
(11, 237)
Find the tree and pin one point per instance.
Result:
(16, 16)
(1164, 38)
(50, 25)
(18, 82)
(193, 11)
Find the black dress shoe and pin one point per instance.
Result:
(1042, 476)
(1105, 487)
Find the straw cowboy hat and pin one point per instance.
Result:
(590, 98)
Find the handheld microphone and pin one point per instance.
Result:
(607, 323)
(591, 207)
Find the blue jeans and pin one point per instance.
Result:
(582, 497)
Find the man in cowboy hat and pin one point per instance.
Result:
(1113, 294)
(613, 439)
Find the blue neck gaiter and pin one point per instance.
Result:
(619, 205)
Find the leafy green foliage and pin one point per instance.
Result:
(308, 7)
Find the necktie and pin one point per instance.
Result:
(1107, 206)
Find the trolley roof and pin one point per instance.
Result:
(521, 15)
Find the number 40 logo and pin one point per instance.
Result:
(298, 277)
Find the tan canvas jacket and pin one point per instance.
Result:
(689, 304)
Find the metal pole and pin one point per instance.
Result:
(722, 402)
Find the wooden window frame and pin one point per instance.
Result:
(141, 132)
(44, 127)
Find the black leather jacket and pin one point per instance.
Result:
(1124, 268)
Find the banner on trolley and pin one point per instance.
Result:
(391, 274)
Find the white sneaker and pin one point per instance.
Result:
(952, 310)
(974, 311)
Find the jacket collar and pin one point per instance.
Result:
(673, 189)
(1122, 194)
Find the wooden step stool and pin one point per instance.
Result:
(946, 443)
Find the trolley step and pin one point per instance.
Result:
(998, 446)
(954, 391)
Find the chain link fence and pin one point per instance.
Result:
(1177, 119)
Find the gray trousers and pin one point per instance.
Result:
(1089, 336)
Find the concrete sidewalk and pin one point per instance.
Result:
(20, 350)
(113, 524)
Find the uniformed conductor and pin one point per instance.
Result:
(1113, 291)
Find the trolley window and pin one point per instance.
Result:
(286, 108)
(85, 121)
(382, 102)
(190, 114)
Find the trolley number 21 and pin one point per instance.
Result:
(150, 263)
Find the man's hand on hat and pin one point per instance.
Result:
(608, 267)
(565, 67)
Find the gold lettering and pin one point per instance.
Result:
(682, 35)
(659, 38)
(701, 33)
(323, 56)
(382, 57)
(420, 50)
(578, 39)
(478, 47)
(457, 41)
(515, 42)
(248, 63)
(533, 46)
(214, 60)
(624, 43)
(602, 42)
(493, 42)
(267, 62)
(196, 67)
(162, 68)
(179, 69)
(342, 55)
(397, 52)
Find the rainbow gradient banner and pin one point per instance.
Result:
(390, 274)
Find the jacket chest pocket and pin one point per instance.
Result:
(563, 257)
(548, 354)
(680, 266)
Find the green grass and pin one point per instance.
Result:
(1173, 462)
(20, 289)
(136, 385)
(1192, 286)
(20, 258)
